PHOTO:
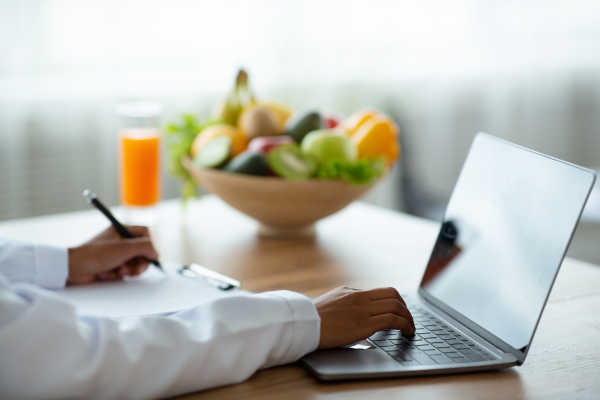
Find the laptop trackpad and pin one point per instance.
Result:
(344, 361)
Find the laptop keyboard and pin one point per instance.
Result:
(434, 342)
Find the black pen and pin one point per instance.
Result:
(92, 198)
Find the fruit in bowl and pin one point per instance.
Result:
(285, 169)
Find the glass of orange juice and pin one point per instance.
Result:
(139, 160)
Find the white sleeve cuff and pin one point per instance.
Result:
(307, 325)
(51, 266)
(23, 262)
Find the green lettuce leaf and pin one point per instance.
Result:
(178, 139)
(360, 172)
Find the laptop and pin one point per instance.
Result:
(505, 232)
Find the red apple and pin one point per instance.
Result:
(331, 118)
(264, 144)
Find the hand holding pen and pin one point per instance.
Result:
(149, 254)
(109, 257)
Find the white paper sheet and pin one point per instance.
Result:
(150, 293)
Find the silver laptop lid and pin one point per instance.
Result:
(505, 233)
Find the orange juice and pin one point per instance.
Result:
(139, 166)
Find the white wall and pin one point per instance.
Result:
(528, 71)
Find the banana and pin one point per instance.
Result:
(228, 111)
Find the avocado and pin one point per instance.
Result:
(301, 124)
(249, 163)
(215, 153)
(289, 162)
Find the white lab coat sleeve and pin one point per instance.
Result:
(45, 266)
(48, 351)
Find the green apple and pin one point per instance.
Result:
(325, 144)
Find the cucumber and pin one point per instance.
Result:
(248, 163)
(215, 153)
(289, 162)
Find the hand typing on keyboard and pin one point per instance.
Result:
(434, 342)
(349, 315)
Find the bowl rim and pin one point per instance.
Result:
(187, 162)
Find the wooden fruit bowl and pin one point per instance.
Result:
(284, 208)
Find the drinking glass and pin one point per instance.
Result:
(139, 160)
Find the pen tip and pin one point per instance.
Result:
(159, 266)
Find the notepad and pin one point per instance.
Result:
(152, 293)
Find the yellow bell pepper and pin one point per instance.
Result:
(377, 137)
(351, 124)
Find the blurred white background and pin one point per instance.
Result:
(527, 71)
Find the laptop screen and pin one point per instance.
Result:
(506, 229)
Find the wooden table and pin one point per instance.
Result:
(366, 247)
